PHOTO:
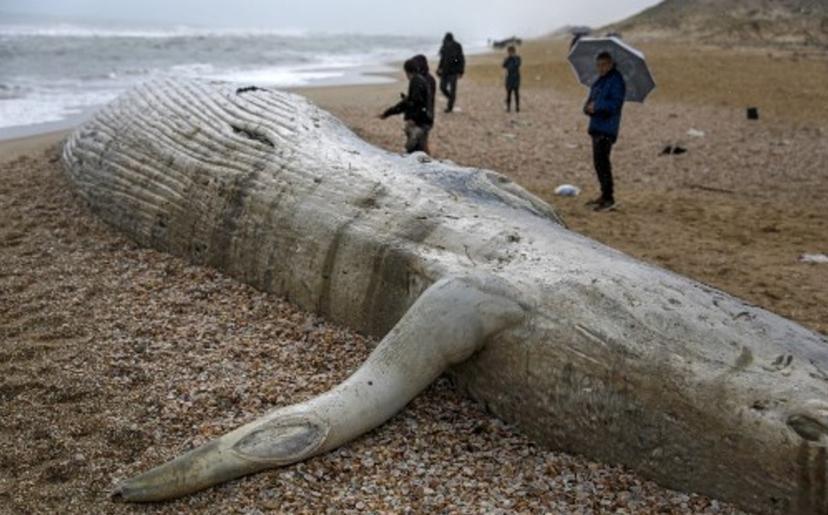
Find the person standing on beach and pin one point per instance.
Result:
(512, 65)
(415, 109)
(606, 99)
(452, 66)
(422, 68)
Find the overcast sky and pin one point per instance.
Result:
(467, 18)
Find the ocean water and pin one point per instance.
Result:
(54, 72)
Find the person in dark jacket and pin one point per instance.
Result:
(422, 68)
(415, 109)
(604, 105)
(452, 66)
(512, 65)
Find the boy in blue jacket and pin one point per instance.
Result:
(606, 99)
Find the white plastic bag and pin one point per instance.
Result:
(567, 190)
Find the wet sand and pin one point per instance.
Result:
(114, 358)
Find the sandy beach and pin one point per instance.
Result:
(115, 358)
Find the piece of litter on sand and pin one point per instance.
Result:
(509, 135)
(813, 258)
(673, 150)
(571, 145)
(567, 190)
(695, 133)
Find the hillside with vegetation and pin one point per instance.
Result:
(754, 22)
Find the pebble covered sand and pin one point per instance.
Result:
(115, 358)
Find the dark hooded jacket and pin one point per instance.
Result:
(608, 93)
(422, 69)
(452, 60)
(512, 65)
(415, 105)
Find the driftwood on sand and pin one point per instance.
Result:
(582, 347)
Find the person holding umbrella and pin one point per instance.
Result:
(615, 72)
(603, 106)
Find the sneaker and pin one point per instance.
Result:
(594, 202)
(605, 205)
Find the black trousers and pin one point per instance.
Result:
(601, 150)
(448, 85)
(509, 92)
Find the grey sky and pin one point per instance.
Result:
(467, 18)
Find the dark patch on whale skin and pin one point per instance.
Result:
(253, 135)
